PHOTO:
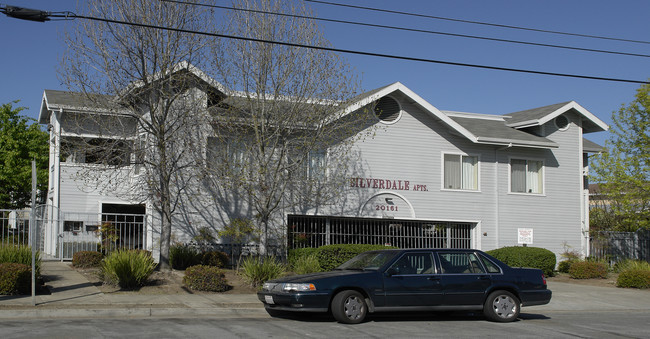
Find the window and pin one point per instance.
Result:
(491, 267)
(413, 263)
(461, 172)
(317, 164)
(225, 156)
(72, 226)
(112, 152)
(526, 176)
(454, 263)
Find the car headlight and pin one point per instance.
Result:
(269, 286)
(298, 287)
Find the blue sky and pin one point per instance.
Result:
(31, 52)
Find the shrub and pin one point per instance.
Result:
(563, 266)
(635, 278)
(331, 256)
(306, 264)
(205, 278)
(587, 270)
(214, 258)
(127, 268)
(629, 264)
(256, 271)
(15, 278)
(20, 255)
(84, 259)
(297, 253)
(534, 257)
(182, 256)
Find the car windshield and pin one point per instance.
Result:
(368, 261)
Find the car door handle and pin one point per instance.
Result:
(484, 277)
(433, 278)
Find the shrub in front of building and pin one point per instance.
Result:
(587, 270)
(20, 254)
(295, 254)
(634, 278)
(630, 264)
(534, 257)
(15, 279)
(86, 259)
(256, 271)
(331, 256)
(127, 268)
(563, 266)
(205, 278)
(214, 258)
(182, 256)
(306, 264)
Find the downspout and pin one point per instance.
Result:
(496, 201)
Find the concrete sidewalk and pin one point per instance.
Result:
(74, 297)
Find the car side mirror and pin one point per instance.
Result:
(391, 272)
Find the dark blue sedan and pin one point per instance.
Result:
(411, 280)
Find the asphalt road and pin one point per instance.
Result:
(551, 324)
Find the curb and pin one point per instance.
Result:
(131, 312)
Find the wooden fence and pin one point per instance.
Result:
(618, 246)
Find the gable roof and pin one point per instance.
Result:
(541, 115)
(477, 128)
(59, 100)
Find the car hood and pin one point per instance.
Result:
(312, 277)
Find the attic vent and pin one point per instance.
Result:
(562, 122)
(387, 109)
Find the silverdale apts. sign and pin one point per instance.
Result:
(387, 184)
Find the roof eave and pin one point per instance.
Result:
(516, 143)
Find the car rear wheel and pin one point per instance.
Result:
(349, 307)
(501, 306)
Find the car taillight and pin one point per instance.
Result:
(543, 279)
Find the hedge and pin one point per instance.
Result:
(205, 278)
(635, 278)
(15, 279)
(587, 270)
(534, 257)
(331, 256)
(85, 259)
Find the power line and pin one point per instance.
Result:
(412, 29)
(477, 22)
(69, 15)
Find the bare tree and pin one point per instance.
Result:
(282, 138)
(146, 100)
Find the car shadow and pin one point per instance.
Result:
(405, 317)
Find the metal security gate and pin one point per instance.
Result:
(315, 231)
(61, 234)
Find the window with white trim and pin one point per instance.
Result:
(225, 156)
(460, 172)
(526, 176)
(317, 164)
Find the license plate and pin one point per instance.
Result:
(269, 299)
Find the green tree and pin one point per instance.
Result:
(624, 169)
(21, 140)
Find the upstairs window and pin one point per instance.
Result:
(526, 176)
(460, 172)
(226, 157)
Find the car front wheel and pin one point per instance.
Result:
(349, 307)
(501, 306)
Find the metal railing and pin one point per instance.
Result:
(316, 231)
